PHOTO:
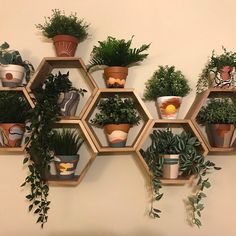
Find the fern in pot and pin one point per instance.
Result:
(219, 71)
(167, 86)
(65, 31)
(116, 115)
(115, 56)
(13, 68)
(66, 144)
(14, 112)
(219, 117)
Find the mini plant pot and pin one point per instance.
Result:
(223, 78)
(66, 166)
(68, 103)
(11, 75)
(117, 134)
(169, 106)
(115, 76)
(65, 45)
(220, 135)
(170, 166)
(12, 134)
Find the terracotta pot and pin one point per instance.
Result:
(65, 45)
(170, 166)
(220, 135)
(68, 103)
(169, 106)
(12, 134)
(11, 75)
(66, 166)
(223, 78)
(115, 76)
(117, 134)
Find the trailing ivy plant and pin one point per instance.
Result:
(39, 152)
(191, 163)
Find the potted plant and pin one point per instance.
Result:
(65, 31)
(191, 162)
(116, 55)
(219, 72)
(12, 67)
(219, 117)
(116, 115)
(66, 145)
(14, 111)
(167, 86)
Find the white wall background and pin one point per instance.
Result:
(112, 200)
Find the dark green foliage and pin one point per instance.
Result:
(217, 111)
(59, 23)
(14, 57)
(191, 163)
(39, 152)
(116, 110)
(117, 52)
(67, 142)
(14, 107)
(166, 81)
(217, 62)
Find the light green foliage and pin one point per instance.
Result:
(116, 110)
(166, 81)
(117, 52)
(218, 111)
(59, 23)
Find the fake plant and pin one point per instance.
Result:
(191, 163)
(13, 57)
(39, 153)
(215, 65)
(117, 52)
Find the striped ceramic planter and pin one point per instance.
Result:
(12, 134)
(170, 166)
(117, 134)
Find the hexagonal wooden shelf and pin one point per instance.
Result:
(199, 101)
(97, 134)
(48, 64)
(90, 148)
(15, 150)
(185, 125)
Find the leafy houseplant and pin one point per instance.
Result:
(65, 146)
(218, 72)
(191, 162)
(14, 112)
(219, 116)
(116, 55)
(39, 151)
(13, 67)
(168, 86)
(116, 113)
(63, 29)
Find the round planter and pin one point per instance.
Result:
(66, 166)
(65, 45)
(11, 75)
(117, 134)
(68, 103)
(169, 106)
(223, 78)
(115, 76)
(12, 134)
(220, 135)
(170, 166)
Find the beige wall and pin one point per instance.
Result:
(112, 200)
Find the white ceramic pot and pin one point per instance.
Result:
(11, 75)
(169, 106)
(171, 166)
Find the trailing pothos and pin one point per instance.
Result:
(39, 153)
(192, 162)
